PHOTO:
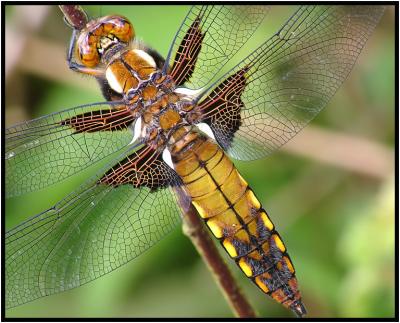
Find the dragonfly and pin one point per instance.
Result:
(172, 124)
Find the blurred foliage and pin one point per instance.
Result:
(368, 251)
(339, 227)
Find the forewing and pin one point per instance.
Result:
(287, 80)
(46, 150)
(96, 229)
(208, 38)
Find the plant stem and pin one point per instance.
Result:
(194, 228)
(75, 16)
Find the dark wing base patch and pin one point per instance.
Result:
(102, 120)
(186, 56)
(222, 108)
(145, 167)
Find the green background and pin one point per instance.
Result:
(338, 224)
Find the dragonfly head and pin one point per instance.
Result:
(102, 35)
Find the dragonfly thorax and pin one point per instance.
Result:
(136, 75)
(132, 71)
(160, 119)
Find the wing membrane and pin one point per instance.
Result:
(208, 37)
(91, 232)
(289, 78)
(46, 150)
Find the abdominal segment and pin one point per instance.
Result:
(235, 216)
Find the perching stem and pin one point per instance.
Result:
(75, 16)
(193, 227)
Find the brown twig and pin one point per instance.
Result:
(193, 227)
(349, 152)
(75, 16)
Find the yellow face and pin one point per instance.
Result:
(100, 35)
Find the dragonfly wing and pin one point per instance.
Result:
(273, 93)
(207, 39)
(101, 226)
(46, 150)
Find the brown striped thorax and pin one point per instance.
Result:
(130, 71)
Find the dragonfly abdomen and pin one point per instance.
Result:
(234, 215)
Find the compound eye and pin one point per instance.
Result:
(87, 50)
(119, 27)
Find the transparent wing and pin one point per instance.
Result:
(272, 94)
(46, 150)
(107, 222)
(208, 38)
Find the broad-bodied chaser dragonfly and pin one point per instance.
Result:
(174, 122)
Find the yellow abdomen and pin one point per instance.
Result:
(235, 216)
